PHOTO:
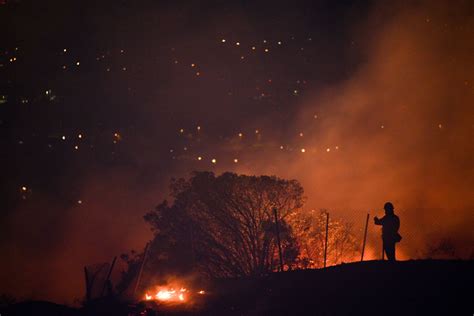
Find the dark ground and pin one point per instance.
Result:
(428, 287)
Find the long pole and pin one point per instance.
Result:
(278, 237)
(365, 238)
(141, 269)
(326, 242)
(108, 276)
(88, 287)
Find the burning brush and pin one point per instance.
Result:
(170, 294)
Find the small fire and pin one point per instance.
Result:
(165, 294)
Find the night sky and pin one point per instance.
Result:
(103, 102)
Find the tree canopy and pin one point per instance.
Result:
(224, 225)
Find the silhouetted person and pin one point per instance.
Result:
(390, 225)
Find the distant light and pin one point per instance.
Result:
(254, 48)
(382, 126)
(23, 188)
(65, 50)
(181, 130)
(78, 63)
(328, 149)
(301, 134)
(295, 91)
(193, 65)
(199, 158)
(63, 138)
(264, 41)
(198, 73)
(440, 126)
(315, 116)
(76, 147)
(236, 160)
(214, 160)
(281, 147)
(303, 150)
(240, 134)
(79, 136)
(337, 147)
(124, 68)
(198, 128)
(223, 40)
(257, 131)
(266, 50)
(279, 43)
(238, 43)
(79, 201)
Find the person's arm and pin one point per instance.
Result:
(378, 221)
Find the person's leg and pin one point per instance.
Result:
(383, 249)
(390, 250)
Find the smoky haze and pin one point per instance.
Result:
(398, 127)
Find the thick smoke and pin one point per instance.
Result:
(399, 129)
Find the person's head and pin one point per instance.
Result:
(388, 207)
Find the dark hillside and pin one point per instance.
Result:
(404, 288)
(424, 287)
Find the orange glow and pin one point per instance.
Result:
(170, 294)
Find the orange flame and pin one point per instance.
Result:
(165, 294)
